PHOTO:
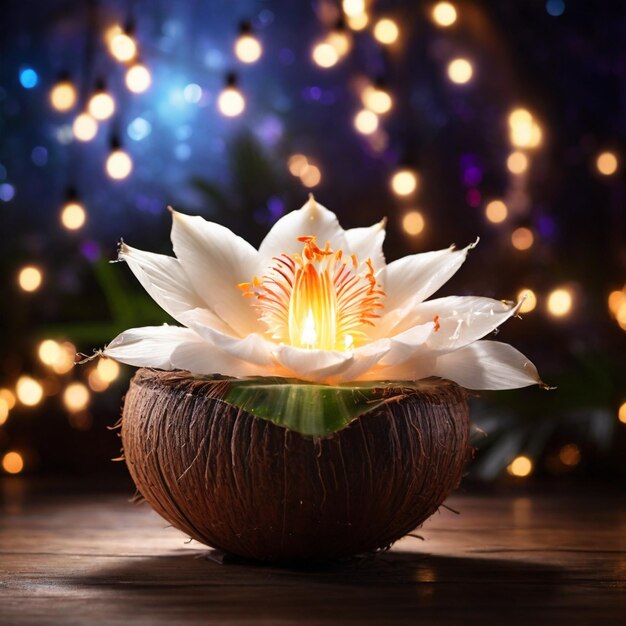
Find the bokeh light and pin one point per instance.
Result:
(108, 369)
(30, 278)
(444, 14)
(386, 31)
(560, 302)
(119, 165)
(569, 455)
(521, 466)
(358, 22)
(231, 102)
(522, 238)
(84, 127)
(76, 397)
(248, 48)
(404, 182)
(28, 78)
(376, 99)
(63, 96)
(310, 176)
(123, 47)
(607, 163)
(366, 122)
(297, 163)
(49, 351)
(524, 130)
(12, 462)
(8, 396)
(29, 391)
(413, 223)
(517, 162)
(496, 211)
(621, 413)
(101, 106)
(4, 411)
(530, 300)
(324, 54)
(138, 78)
(73, 216)
(460, 71)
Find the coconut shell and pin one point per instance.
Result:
(249, 487)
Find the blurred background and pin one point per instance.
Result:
(454, 119)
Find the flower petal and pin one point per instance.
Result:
(408, 344)
(367, 243)
(313, 365)
(461, 319)
(411, 279)
(312, 219)
(216, 261)
(364, 359)
(150, 346)
(202, 358)
(165, 280)
(488, 365)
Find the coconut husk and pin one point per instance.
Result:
(249, 487)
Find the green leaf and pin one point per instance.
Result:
(308, 408)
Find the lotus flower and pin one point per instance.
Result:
(315, 302)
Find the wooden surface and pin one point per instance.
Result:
(88, 558)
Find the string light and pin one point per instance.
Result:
(621, 413)
(530, 300)
(353, 7)
(101, 105)
(522, 238)
(49, 351)
(366, 122)
(524, 131)
(460, 71)
(413, 223)
(138, 78)
(607, 163)
(325, 54)
(404, 182)
(560, 302)
(231, 102)
(12, 462)
(310, 176)
(108, 370)
(340, 40)
(297, 164)
(444, 14)
(376, 99)
(29, 391)
(73, 215)
(248, 48)
(121, 45)
(517, 162)
(358, 22)
(63, 96)
(521, 467)
(8, 396)
(84, 127)
(496, 211)
(30, 278)
(386, 31)
(76, 397)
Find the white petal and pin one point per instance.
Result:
(367, 243)
(150, 346)
(313, 365)
(202, 358)
(311, 219)
(365, 358)
(165, 280)
(252, 348)
(462, 319)
(216, 261)
(411, 279)
(408, 344)
(488, 365)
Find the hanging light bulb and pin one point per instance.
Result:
(118, 164)
(101, 105)
(122, 44)
(63, 95)
(84, 127)
(404, 182)
(73, 214)
(231, 102)
(324, 54)
(386, 31)
(248, 48)
(138, 78)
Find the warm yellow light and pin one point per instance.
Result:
(248, 48)
(138, 78)
(123, 47)
(49, 351)
(119, 164)
(325, 54)
(621, 413)
(530, 300)
(377, 100)
(310, 176)
(297, 163)
(8, 396)
(30, 278)
(521, 466)
(4, 411)
(101, 106)
(560, 302)
(76, 397)
(65, 359)
(524, 133)
(340, 40)
(95, 382)
(413, 223)
(496, 211)
(460, 71)
(522, 238)
(231, 102)
(12, 462)
(386, 31)
(84, 127)
(517, 163)
(404, 182)
(621, 317)
(63, 96)
(617, 299)
(366, 122)
(570, 455)
(607, 163)
(29, 391)
(353, 7)
(444, 14)
(358, 22)
(108, 370)
(73, 216)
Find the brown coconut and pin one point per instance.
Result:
(249, 487)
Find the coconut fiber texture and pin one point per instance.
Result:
(249, 487)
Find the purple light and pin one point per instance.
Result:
(276, 207)
(546, 226)
(90, 250)
(472, 176)
(473, 197)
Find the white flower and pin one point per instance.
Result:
(317, 303)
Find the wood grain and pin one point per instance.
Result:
(81, 558)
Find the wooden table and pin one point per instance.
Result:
(83, 558)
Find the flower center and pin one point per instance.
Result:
(317, 299)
